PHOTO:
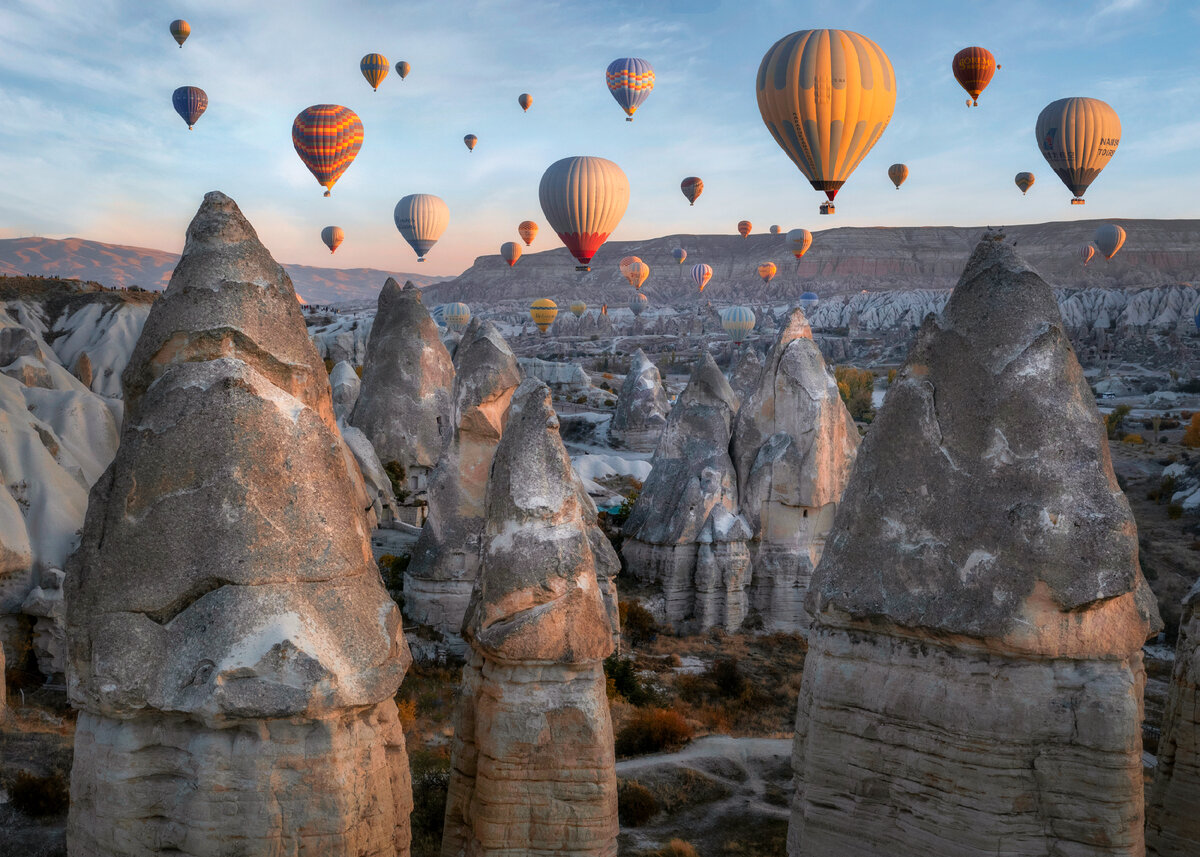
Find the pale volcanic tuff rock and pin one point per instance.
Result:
(974, 673)
(233, 653)
(533, 770)
(404, 403)
(692, 479)
(642, 406)
(1172, 822)
(746, 372)
(346, 386)
(445, 560)
(793, 447)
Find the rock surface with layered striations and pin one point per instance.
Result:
(533, 769)
(404, 402)
(793, 447)
(445, 560)
(642, 407)
(692, 480)
(233, 653)
(974, 677)
(1172, 820)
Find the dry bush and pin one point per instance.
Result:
(676, 848)
(39, 797)
(1191, 437)
(635, 803)
(653, 730)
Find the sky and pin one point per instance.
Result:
(91, 147)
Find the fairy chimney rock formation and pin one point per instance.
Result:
(974, 672)
(404, 403)
(793, 447)
(445, 560)
(747, 369)
(1172, 823)
(642, 407)
(346, 385)
(232, 651)
(692, 476)
(533, 770)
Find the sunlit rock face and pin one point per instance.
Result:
(793, 447)
(1172, 820)
(974, 673)
(642, 407)
(533, 769)
(445, 561)
(404, 402)
(692, 481)
(233, 653)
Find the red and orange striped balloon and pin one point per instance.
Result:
(327, 138)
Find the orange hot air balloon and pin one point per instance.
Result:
(327, 138)
(510, 251)
(973, 69)
(525, 100)
(637, 274)
(799, 240)
(744, 227)
(625, 264)
(692, 187)
(528, 231)
(767, 271)
(1024, 182)
(1086, 252)
(470, 141)
(897, 173)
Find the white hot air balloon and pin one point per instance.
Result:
(421, 219)
(583, 198)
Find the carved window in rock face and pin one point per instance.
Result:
(439, 426)
(414, 483)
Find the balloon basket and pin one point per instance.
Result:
(828, 208)
(583, 268)
(1077, 201)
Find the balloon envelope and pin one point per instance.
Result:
(1108, 239)
(470, 140)
(1078, 137)
(737, 322)
(630, 80)
(528, 230)
(180, 30)
(583, 198)
(374, 68)
(898, 173)
(626, 263)
(543, 311)
(799, 240)
(333, 236)
(1086, 252)
(402, 69)
(692, 187)
(1024, 181)
(457, 315)
(510, 251)
(744, 227)
(525, 100)
(767, 271)
(421, 219)
(578, 308)
(190, 102)
(973, 69)
(638, 303)
(327, 138)
(826, 96)
(679, 255)
(637, 274)
(775, 230)
(701, 274)
(808, 301)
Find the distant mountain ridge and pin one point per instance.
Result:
(842, 260)
(119, 266)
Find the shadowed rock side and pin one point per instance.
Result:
(346, 385)
(642, 407)
(746, 372)
(1172, 820)
(974, 673)
(233, 653)
(533, 770)
(445, 561)
(404, 403)
(793, 447)
(684, 531)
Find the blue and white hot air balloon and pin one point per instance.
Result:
(630, 80)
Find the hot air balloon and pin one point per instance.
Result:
(973, 69)
(808, 301)
(510, 251)
(630, 81)
(543, 311)
(525, 100)
(1024, 182)
(744, 227)
(692, 187)
(528, 230)
(327, 138)
(897, 173)
(578, 308)
(625, 264)
(1078, 137)
(583, 199)
(402, 69)
(374, 68)
(457, 315)
(701, 274)
(190, 102)
(1108, 239)
(767, 271)
(799, 240)
(806, 112)
(1086, 252)
(470, 140)
(679, 255)
(775, 230)
(180, 30)
(333, 236)
(638, 303)
(737, 322)
(637, 274)
(421, 219)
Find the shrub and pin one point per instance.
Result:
(391, 569)
(676, 848)
(358, 371)
(39, 797)
(1133, 438)
(635, 803)
(1175, 511)
(637, 623)
(430, 790)
(328, 365)
(727, 678)
(855, 387)
(622, 680)
(398, 476)
(653, 730)
(1191, 437)
(1115, 421)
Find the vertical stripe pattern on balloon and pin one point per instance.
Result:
(327, 138)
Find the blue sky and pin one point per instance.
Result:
(91, 147)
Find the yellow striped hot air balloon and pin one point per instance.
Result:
(528, 230)
(578, 308)
(767, 271)
(637, 274)
(374, 68)
(457, 315)
(543, 311)
(737, 321)
(826, 96)
(1078, 137)
(799, 240)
